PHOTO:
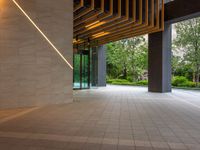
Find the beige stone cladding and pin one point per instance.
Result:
(31, 72)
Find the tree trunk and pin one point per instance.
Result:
(133, 73)
(197, 78)
(194, 76)
(125, 72)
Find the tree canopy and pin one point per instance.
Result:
(127, 58)
(187, 42)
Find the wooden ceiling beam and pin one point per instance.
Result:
(126, 18)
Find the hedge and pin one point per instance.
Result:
(177, 81)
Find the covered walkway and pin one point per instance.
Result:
(111, 118)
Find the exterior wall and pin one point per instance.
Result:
(31, 72)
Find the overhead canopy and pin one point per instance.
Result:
(102, 21)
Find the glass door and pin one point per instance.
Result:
(76, 76)
(85, 73)
(81, 69)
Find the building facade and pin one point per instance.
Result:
(39, 64)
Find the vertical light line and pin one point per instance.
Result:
(40, 31)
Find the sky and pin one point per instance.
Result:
(173, 32)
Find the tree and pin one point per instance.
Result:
(188, 39)
(127, 58)
(117, 59)
(137, 49)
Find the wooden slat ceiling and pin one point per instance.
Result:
(101, 21)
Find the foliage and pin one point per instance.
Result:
(188, 43)
(142, 82)
(117, 80)
(181, 81)
(178, 81)
(126, 82)
(127, 58)
(183, 69)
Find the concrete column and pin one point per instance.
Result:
(160, 60)
(101, 65)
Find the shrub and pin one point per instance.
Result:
(142, 82)
(130, 78)
(190, 84)
(112, 81)
(126, 82)
(179, 81)
(121, 80)
(109, 81)
(122, 83)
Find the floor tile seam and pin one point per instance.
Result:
(176, 135)
(82, 139)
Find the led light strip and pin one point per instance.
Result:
(45, 37)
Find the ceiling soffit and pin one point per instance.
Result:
(102, 21)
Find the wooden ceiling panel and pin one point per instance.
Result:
(122, 17)
(98, 22)
(99, 10)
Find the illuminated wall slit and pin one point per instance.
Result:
(43, 35)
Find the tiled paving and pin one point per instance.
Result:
(111, 118)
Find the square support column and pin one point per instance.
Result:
(101, 65)
(159, 62)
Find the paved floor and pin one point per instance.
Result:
(111, 118)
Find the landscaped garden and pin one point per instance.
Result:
(127, 60)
